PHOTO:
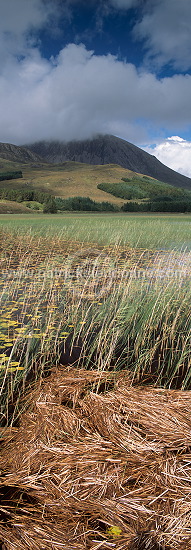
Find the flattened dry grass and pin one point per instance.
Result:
(93, 452)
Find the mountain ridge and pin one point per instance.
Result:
(107, 149)
(16, 153)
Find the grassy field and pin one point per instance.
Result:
(69, 179)
(157, 231)
(95, 336)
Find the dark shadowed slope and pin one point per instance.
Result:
(106, 150)
(14, 153)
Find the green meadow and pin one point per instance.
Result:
(115, 289)
(157, 231)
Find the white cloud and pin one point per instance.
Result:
(28, 13)
(175, 152)
(165, 26)
(79, 94)
(20, 21)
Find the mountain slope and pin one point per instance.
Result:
(106, 150)
(14, 153)
(66, 180)
(12, 207)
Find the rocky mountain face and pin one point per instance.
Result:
(108, 149)
(15, 153)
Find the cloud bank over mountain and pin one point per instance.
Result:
(77, 92)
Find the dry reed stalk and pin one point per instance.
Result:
(93, 452)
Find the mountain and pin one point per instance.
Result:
(106, 149)
(14, 153)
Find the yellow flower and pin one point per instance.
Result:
(114, 532)
(5, 345)
(12, 369)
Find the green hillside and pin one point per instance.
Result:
(67, 180)
(101, 183)
(144, 187)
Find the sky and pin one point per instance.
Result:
(72, 69)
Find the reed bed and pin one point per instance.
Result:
(156, 231)
(97, 464)
(100, 307)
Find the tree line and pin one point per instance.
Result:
(10, 175)
(23, 194)
(84, 204)
(52, 204)
(158, 205)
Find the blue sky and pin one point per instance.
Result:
(105, 31)
(73, 69)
